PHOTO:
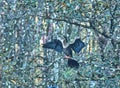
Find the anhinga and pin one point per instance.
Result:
(67, 49)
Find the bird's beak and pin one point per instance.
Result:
(67, 57)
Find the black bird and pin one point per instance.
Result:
(59, 47)
(73, 63)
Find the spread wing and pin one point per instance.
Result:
(54, 44)
(77, 45)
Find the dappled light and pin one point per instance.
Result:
(59, 43)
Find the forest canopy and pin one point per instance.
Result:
(25, 25)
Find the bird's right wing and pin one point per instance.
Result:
(77, 45)
(54, 44)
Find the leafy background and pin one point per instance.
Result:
(26, 24)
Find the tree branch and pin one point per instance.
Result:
(68, 21)
(84, 26)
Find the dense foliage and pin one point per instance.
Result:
(26, 24)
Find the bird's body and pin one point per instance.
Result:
(68, 51)
(59, 47)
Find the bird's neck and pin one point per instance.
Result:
(65, 45)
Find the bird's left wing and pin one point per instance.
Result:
(77, 45)
(54, 44)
